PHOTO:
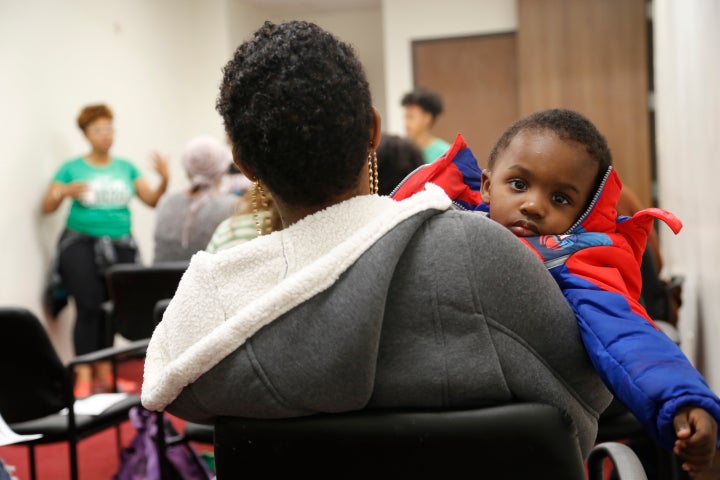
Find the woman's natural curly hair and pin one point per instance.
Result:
(567, 125)
(91, 113)
(296, 105)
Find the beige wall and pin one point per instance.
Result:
(408, 20)
(360, 27)
(157, 64)
(687, 75)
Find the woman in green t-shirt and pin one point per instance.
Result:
(98, 230)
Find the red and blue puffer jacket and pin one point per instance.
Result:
(596, 263)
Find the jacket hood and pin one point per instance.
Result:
(276, 274)
(600, 215)
(458, 174)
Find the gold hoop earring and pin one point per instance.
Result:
(373, 172)
(258, 197)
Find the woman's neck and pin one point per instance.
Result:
(98, 158)
(290, 214)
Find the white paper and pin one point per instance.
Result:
(96, 404)
(8, 437)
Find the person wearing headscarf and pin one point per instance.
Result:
(186, 220)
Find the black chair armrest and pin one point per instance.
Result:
(111, 353)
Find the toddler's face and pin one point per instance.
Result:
(539, 184)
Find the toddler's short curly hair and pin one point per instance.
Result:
(567, 125)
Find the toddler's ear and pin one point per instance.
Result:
(485, 185)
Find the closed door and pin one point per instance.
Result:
(477, 78)
(592, 56)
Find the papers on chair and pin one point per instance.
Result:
(96, 404)
(8, 437)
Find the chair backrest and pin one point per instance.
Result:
(134, 290)
(34, 380)
(516, 441)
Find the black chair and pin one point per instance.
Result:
(134, 289)
(517, 441)
(37, 395)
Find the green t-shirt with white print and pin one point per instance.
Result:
(103, 209)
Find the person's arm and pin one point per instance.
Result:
(145, 193)
(58, 191)
(641, 365)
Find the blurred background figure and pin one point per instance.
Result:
(422, 106)
(255, 215)
(97, 234)
(235, 182)
(186, 220)
(397, 157)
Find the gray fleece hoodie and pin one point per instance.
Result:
(371, 303)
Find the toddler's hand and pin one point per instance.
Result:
(696, 434)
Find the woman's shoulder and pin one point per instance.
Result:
(71, 169)
(72, 162)
(125, 165)
(486, 247)
(122, 161)
(472, 226)
(173, 201)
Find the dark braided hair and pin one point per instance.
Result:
(296, 105)
(567, 125)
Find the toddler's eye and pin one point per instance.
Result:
(517, 184)
(560, 199)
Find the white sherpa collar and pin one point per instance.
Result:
(276, 273)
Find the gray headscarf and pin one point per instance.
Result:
(205, 160)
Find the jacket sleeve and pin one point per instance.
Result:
(456, 172)
(641, 365)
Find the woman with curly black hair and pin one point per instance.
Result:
(359, 301)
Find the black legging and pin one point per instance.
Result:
(87, 286)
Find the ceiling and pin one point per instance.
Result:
(314, 5)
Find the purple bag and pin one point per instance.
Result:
(141, 459)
